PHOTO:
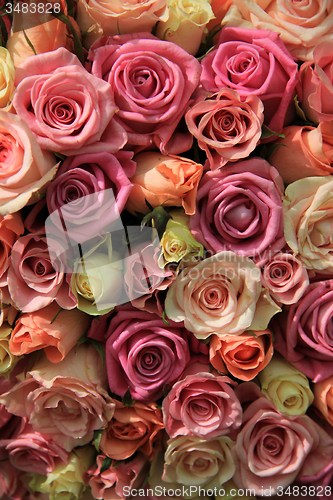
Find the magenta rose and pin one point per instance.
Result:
(33, 282)
(273, 450)
(90, 191)
(255, 62)
(145, 355)
(152, 83)
(30, 451)
(67, 108)
(304, 332)
(201, 404)
(226, 127)
(239, 208)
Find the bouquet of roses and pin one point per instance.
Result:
(166, 262)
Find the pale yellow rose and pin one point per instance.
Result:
(7, 359)
(114, 17)
(302, 25)
(97, 280)
(308, 221)
(186, 24)
(177, 241)
(7, 75)
(221, 295)
(66, 481)
(199, 462)
(286, 387)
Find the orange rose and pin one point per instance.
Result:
(170, 180)
(306, 152)
(323, 398)
(52, 329)
(132, 428)
(244, 356)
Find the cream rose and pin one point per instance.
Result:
(286, 387)
(186, 23)
(7, 359)
(221, 295)
(7, 75)
(308, 216)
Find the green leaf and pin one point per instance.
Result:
(55, 317)
(97, 345)
(82, 339)
(106, 464)
(251, 332)
(267, 132)
(268, 149)
(299, 110)
(70, 8)
(97, 438)
(127, 399)
(29, 42)
(78, 49)
(164, 320)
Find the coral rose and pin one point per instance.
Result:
(244, 356)
(323, 392)
(167, 180)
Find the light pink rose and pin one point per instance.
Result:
(226, 127)
(201, 404)
(66, 401)
(66, 108)
(152, 83)
(239, 208)
(33, 282)
(145, 355)
(284, 276)
(317, 80)
(25, 168)
(30, 451)
(272, 450)
(110, 484)
(254, 62)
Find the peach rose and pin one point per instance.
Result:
(167, 180)
(317, 79)
(67, 401)
(53, 329)
(111, 17)
(244, 356)
(323, 398)
(25, 168)
(305, 151)
(301, 25)
(11, 226)
(132, 428)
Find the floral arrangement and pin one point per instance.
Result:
(166, 263)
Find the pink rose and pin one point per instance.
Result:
(317, 79)
(152, 83)
(25, 168)
(273, 450)
(111, 483)
(201, 404)
(254, 62)
(239, 208)
(67, 108)
(226, 128)
(33, 282)
(145, 355)
(66, 401)
(90, 192)
(284, 276)
(304, 333)
(30, 451)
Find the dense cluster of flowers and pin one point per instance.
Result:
(166, 249)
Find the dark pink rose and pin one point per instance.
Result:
(273, 450)
(145, 354)
(33, 282)
(11, 486)
(67, 108)
(152, 83)
(30, 451)
(110, 484)
(255, 62)
(90, 192)
(201, 404)
(239, 208)
(304, 332)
